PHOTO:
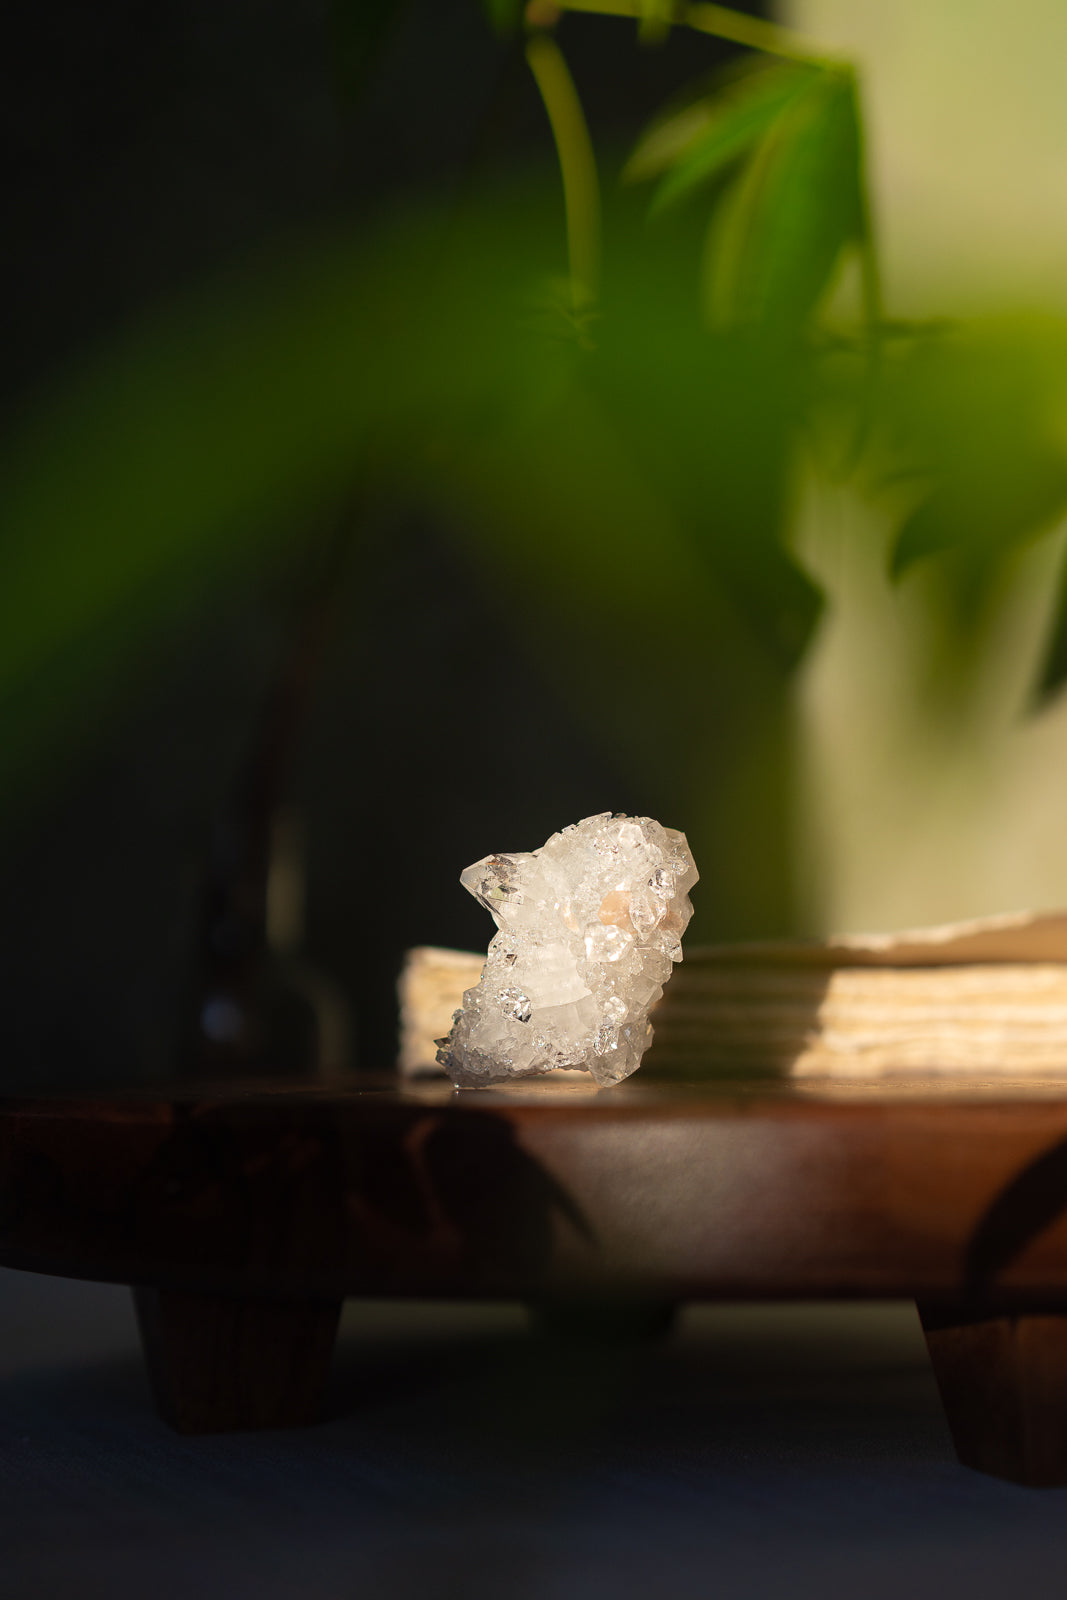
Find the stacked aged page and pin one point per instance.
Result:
(983, 998)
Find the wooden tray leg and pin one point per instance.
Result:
(1003, 1383)
(219, 1363)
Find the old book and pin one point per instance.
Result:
(429, 989)
(982, 998)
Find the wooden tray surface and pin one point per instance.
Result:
(951, 1192)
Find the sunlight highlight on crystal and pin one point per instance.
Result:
(590, 928)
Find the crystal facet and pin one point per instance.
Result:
(589, 928)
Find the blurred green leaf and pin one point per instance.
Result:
(980, 415)
(209, 426)
(629, 492)
(709, 420)
(985, 517)
(1054, 667)
(694, 143)
(780, 229)
(503, 16)
(654, 20)
(357, 32)
(924, 532)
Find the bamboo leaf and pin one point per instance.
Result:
(980, 415)
(211, 427)
(779, 233)
(709, 421)
(654, 20)
(694, 143)
(411, 359)
(1054, 669)
(985, 517)
(926, 531)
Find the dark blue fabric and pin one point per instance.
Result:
(761, 1451)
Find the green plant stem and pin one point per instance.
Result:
(720, 21)
(581, 193)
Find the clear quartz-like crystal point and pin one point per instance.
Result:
(590, 927)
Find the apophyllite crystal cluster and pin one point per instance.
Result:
(590, 927)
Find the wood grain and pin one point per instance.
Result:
(658, 1191)
(245, 1215)
(1003, 1384)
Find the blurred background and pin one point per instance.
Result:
(348, 537)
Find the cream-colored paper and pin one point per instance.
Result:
(1013, 936)
(430, 988)
(983, 999)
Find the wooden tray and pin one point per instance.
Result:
(243, 1216)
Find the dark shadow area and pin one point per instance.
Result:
(776, 1449)
(147, 150)
(736, 1021)
(1034, 1199)
(283, 1198)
